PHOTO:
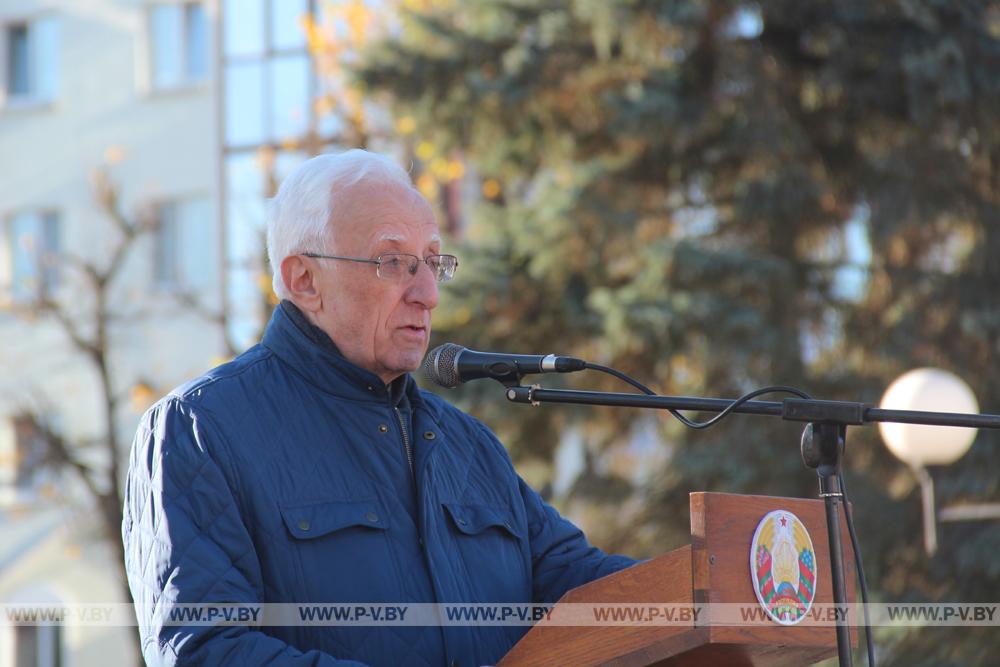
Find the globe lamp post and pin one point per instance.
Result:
(919, 446)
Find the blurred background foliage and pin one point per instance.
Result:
(714, 196)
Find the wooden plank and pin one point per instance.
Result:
(662, 580)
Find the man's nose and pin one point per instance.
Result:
(423, 287)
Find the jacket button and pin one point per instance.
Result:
(371, 516)
(383, 428)
(429, 435)
(303, 524)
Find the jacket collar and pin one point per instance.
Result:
(308, 350)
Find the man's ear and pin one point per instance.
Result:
(300, 282)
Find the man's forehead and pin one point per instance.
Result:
(384, 213)
(400, 238)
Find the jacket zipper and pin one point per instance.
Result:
(406, 442)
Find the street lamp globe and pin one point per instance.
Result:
(932, 390)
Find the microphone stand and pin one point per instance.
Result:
(822, 448)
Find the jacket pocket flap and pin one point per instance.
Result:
(310, 520)
(474, 519)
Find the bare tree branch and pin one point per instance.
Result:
(57, 451)
(219, 317)
(47, 305)
(88, 269)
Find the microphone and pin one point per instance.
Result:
(450, 365)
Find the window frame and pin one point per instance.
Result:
(36, 95)
(164, 269)
(186, 80)
(168, 271)
(49, 234)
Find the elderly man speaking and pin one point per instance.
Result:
(311, 469)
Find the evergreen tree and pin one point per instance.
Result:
(713, 196)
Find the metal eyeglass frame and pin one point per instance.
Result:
(378, 263)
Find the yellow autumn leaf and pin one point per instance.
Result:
(456, 170)
(425, 150)
(491, 188)
(427, 186)
(114, 155)
(406, 125)
(439, 167)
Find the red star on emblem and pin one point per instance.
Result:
(783, 521)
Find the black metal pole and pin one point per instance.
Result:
(823, 449)
(837, 570)
(790, 409)
(536, 395)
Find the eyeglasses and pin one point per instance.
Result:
(398, 266)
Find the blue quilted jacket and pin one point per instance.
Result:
(283, 477)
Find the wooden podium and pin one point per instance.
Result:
(714, 568)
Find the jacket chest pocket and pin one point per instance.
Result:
(343, 548)
(493, 548)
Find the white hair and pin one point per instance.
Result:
(299, 215)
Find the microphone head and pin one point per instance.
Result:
(439, 365)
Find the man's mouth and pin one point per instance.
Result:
(413, 328)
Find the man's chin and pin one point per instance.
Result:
(409, 363)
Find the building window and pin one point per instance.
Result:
(31, 52)
(33, 248)
(184, 245)
(165, 245)
(18, 79)
(270, 83)
(179, 44)
(38, 645)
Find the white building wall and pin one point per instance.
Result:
(162, 146)
(157, 146)
(68, 567)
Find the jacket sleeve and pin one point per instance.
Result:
(561, 557)
(186, 544)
